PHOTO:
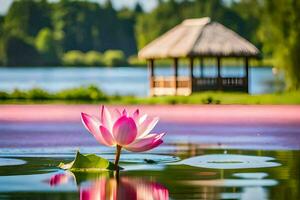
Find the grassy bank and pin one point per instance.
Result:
(92, 94)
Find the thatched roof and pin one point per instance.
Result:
(199, 37)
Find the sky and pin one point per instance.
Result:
(146, 4)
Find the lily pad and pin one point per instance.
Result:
(89, 162)
(11, 161)
(229, 161)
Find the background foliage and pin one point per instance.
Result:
(37, 32)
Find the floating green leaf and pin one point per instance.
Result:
(89, 162)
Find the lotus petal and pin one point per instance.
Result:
(124, 130)
(106, 118)
(146, 126)
(147, 143)
(92, 124)
(107, 136)
(135, 115)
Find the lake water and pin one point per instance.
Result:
(117, 80)
(179, 171)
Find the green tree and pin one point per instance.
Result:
(46, 45)
(74, 25)
(280, 33)
(170, 13)
(74, 58)
(138, 8)
(117, 30)
(27, 17)
(19, 52)
(251, 11)
(58, 27)
(86, 26)
(94, 58)
(114, 58)
(20, 26)
(161, 19)
(2, 57)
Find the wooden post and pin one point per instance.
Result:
(175, 65)
(219, 79)
(151, 75)
(201, 67)
(191, 73)
(247, 73)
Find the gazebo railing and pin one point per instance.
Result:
(205, 81)
(169, 85)
(234, 81)
(169, 82)
(184, 85)
(224, 83)
(235, 84)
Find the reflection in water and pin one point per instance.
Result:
(257, 193)
(252, 186)
(100, 186)
(234, 183)
(125, 188)
(59, 179)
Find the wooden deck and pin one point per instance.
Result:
(185, 85)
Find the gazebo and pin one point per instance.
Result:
(198, 38)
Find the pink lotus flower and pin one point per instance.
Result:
(123, 130)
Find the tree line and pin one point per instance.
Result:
(68, 32)
(40, 33)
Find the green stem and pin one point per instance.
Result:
(118, 153)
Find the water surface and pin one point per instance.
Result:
(170, 176)
(118, 80)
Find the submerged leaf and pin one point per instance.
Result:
(89, 162)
